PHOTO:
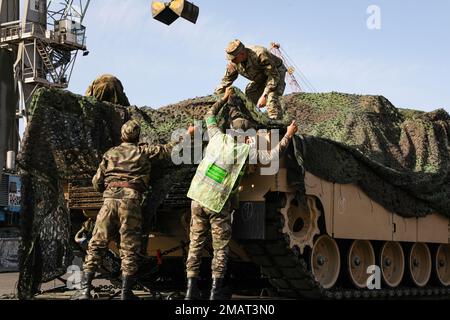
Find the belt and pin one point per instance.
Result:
(122, 184)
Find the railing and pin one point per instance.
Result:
(30, 29)
(75, 38)
(18, 31)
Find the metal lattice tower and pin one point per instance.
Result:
(67, 9)
(46, 40)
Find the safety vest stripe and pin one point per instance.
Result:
(214, 175)
(217, 170)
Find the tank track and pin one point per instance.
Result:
(288, 270)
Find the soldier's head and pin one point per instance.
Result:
(130, 131)
(236, 51)
(241, 124)
(242, 129)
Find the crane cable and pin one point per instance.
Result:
(303, 77)
(291, 66)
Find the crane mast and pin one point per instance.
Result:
(44, 42)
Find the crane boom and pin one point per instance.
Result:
(295, 86)
(276, 49)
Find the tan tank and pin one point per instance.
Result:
(330, 243)
(341, 233)
(323, 249)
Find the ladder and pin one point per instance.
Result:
(40, 47)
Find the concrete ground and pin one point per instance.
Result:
(8, 283)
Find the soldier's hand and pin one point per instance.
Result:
(227, 94)
(262, 101)
(191, 129)
(292, 129)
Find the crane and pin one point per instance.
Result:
(43, 45)
(276, 49)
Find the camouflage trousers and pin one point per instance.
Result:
(116, 215)
(254, 91)
(202, 220)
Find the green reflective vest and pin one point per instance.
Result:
(218, 171)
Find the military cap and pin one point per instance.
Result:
(130, 131)
(234, 48)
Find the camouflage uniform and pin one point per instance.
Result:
(265, 71)
(123, 175)
(220, 223)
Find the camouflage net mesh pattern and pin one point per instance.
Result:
(65, 140)
(400, 158)
(108, 88)
(56, 148)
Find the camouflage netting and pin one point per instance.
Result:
(108, 88)
(65, 140)
(400, 158)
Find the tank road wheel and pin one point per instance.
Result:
(325, 261)
(443, 264)
(360, 256)
(301, 223)
(420, 264)
(392, 262)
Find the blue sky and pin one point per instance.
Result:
(407, 60)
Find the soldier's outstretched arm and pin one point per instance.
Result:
(230, 76)
(164, 151)
(274, 154)
(159, 151)
(210, 117)
(98, 181)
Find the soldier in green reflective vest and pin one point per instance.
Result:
(214, 185)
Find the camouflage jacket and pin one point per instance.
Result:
(128, 162)
(255, 156)
(261, 66)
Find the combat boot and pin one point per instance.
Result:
(127, 286)
(192, 292)
(86, 286)
(217, 292)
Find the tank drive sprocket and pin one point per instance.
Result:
(301, 222)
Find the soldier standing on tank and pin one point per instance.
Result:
(123, 175)
(265, 71)
(212, 209)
